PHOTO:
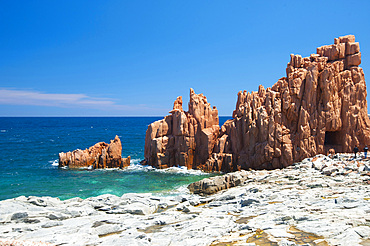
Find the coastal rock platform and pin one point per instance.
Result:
(319, 201)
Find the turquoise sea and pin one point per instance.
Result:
(29, 150)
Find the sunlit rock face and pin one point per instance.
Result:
(101, 155)
(319, 105)
(183, 138)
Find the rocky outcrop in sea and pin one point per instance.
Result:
(183, 138)
(101, 155)
(319, 201)
(319, 105)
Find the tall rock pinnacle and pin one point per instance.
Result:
(183, 138)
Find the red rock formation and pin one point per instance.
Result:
(101, 155)
(183, 138)
(320, 104)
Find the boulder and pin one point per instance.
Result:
(101, 155)
(212, 185)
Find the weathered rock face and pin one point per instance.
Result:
(101, 155)
(183, 138)
(320, 105)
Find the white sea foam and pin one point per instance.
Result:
(54, 163)
(135, 161)
(3, 131)
(174, 170)
(183, 189)
(179, 190)
(137, 167)
(102, 170)
(182, 170)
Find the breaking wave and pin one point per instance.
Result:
(135, 166)
(54, 163)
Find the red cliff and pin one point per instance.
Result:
(320, 104)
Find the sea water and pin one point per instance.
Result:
(29, 150)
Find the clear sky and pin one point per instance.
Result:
(133, 58)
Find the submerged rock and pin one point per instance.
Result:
(101, 155)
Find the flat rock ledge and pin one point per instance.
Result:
(319, 201)
(338, 165)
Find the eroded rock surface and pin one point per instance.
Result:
(302, 204)
(320, 105)
(101, 155)
(183, 138)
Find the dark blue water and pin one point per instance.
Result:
(29, 146)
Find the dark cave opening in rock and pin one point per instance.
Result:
(332, 138)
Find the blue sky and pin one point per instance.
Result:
(133, 58)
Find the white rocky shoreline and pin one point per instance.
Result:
(319, 201)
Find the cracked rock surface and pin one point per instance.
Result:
(319, 201)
